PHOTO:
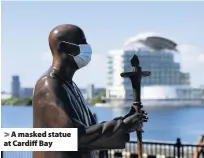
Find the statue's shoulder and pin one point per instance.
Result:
(49, 87)
(48, 81)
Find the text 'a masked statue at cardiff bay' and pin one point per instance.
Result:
(58, 102)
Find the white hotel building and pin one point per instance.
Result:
(167, 82)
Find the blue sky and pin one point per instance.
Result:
(107, 25)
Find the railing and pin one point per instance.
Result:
(150, 150)
(158, 149)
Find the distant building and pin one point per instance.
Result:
(172, 92)
(98, 91)
(91, 91)
(26, 92)
(15, 87)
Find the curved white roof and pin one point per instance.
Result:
(152, 42)
(160, 43)
(149, 42)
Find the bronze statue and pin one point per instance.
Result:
(58, 102)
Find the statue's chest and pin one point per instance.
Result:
(79, 110)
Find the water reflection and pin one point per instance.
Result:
(119, 111)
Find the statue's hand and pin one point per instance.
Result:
(134, 121)
(131, 112)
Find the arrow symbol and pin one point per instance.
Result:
(6, 134)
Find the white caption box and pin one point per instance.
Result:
(24, 139)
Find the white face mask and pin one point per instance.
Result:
(84, 56)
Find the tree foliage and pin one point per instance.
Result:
(97, 99)
(17, 101)
(28, 101)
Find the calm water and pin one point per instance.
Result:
(165, 124)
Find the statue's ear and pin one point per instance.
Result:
(62, 47)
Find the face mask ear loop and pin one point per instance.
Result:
(70, 44)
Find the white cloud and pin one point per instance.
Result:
(191, 56)
(192, 61)
(201, 57)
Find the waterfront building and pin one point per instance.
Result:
(98, 91)
(15, 87)
(156, 54)
(172, 92)
(91, 91)
(26, 92)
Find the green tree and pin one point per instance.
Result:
(97, 99)
(17, 101)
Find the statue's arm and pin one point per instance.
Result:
(48, 107)
(109, 135)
